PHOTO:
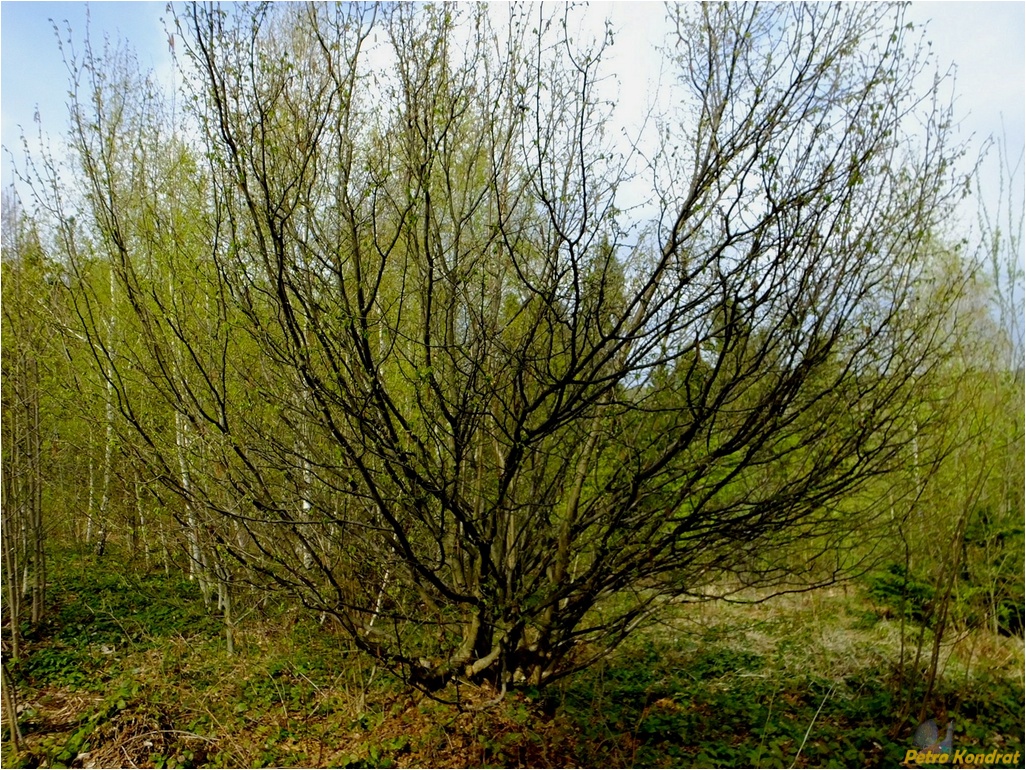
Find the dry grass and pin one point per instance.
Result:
(834, 631)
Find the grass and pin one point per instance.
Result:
(135, 673)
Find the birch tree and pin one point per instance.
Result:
(30, 350)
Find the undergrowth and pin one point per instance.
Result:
(135, 672)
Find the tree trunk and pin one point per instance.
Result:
(11, 707)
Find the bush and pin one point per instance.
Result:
(902, 591)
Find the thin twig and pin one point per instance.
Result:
(128, 759)
(186, 733)
(809, 730)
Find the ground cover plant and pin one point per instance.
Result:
(130, 674)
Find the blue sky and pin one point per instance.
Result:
(31, 71)
(986, 41)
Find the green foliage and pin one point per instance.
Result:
(57, 666)
(707, 701)
(902, 591)
(742, 689)
(101, 614)
(992, 585)
(383, 754)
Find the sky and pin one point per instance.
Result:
(985, 42)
